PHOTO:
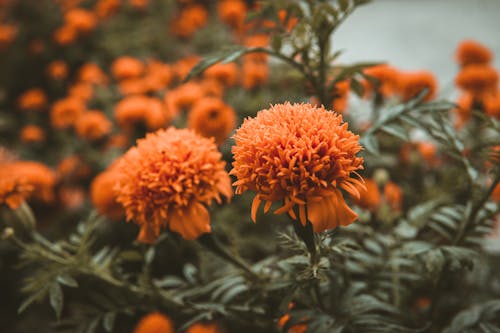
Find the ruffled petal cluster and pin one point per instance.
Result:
(169, 179)
(303, 156)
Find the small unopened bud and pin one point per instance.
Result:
(381, 176)
(7, 233)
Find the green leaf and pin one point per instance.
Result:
(67, 280)
(56, 298)
(370, 143)
(108, 322)
(397, 131)
(223, 57)
(32, 298)
(343, 5)
(358, 88)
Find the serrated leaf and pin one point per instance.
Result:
(56, 298)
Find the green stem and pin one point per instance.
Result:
(211, 242)
(306, 234)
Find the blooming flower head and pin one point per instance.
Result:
(302, 155)
(370, 197)
(393, 196)
(154, 322)
(103, 197)
(169, 179)
(33, 99)
(14, 191)
(83, 21)
(387, 77)
(93, 125)
(57, 70)
(127, 67)
(32, 134)
(341, 96)
(209, 327)
(227, 74)
(39, 177)
(492, 106)
(65, 112)
(254, 73)
(141, 109)
(190, 20)
(232, 12)
(478, 80)
(92, 73)
(211, 117)
(471, 52)
(411, 84)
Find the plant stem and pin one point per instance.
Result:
(211, 242)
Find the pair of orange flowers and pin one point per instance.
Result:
(297, 154)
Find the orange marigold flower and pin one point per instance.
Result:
(65, 35)
(183, 66)
(8, 33)
(428, 151)
(154, 322)
(38, 176)
(227, 74)
(71, 197)
(81, 90)
(254, 74)
(57, 70)
(14, 190)
(210, 327)
(411, 84)
(32, 134)
(387, 77)
(83, 21)
(232, 12)
(211, 117)
(470, 52)
(495, 195)
(159, 75)
(393, 196)
(289, 22)
(492, 105)
(283, 320)
(139, 4)
(168, 179)
(478, 80)
(137, 109)
(127, 67)
(133, 86)
(93, 125)
(259, 40)
(106, 8)
(92, 73)
(212, 87)
(65, 112)
(183, 96)
(300, 154)
(341, 96)
(464, 110)
(103, 196)
(72, 168)
(190, 20)
(370, 197)
(32, 100)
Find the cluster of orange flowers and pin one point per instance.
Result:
(157, 322)
(393, 82)
(477, 80)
